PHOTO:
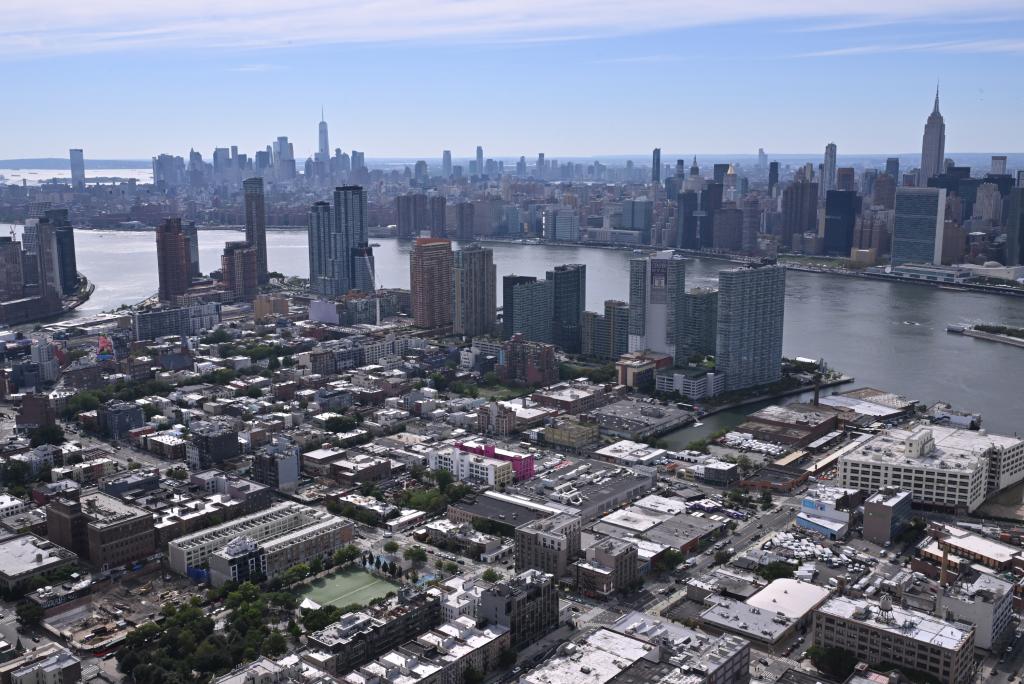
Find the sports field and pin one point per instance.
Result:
(348, 586)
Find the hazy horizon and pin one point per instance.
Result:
(402, 79)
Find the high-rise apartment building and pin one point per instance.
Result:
(240, 270)
(606, 337)
(508, 285)
(828, 169)
(846, 179)
(657, 284)
(12, 279)
(430, 282)
(77, 159)
(474, 300)
(884, 192)
(256, 224)
(349, 232)
(933, 145)
(998, 167)
(479, 160)
(751, 305)
(527, 604)
(1015, 228)
(323, 258)
(437, 220)
(172, 257)
(918, 226)
(464, 221)
(569, 299)
(411, 215)
(773, 177)
(656, 165)
(700, 323)
(531, 306)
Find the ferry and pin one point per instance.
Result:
(957, 329)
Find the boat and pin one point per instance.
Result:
(957, 329)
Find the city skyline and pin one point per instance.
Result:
(693, 67)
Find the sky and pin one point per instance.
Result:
(129, 79)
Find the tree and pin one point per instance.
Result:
(444, 479)
(415, 554)
(275, 644)
(722, 557)
(340, 424)
(766, 500)
(669, 559)
(776, 570)
(316, 566)
(833, 661)
(451, 567)
(47, 434)
(390, 546)
(177, 473)
(29, 614)
(491, 575)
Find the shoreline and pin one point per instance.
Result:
(844, 380)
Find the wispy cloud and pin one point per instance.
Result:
(255, 68)
(999, 46)
(49, 27)
(638, 59)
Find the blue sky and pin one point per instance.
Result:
(132, 78)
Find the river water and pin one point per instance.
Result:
(886, 335)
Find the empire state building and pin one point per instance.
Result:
(933, 145)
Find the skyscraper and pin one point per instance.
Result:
(606, 337)
(751, 305)
(256, 224)
(998, 165)
(687, 204)
(773, 177)
(48, 258)
(64, 234)
(828, 169)
(700, 326)
(479, 160)
(508, 285)
(884, 192)
(933, 146)
(411, 214)
(799, 210)
(172, 258)
(350, 233)
(239, 270)
(77, 169)
(324, 152)
(656, 165)
(657, 284)
(12, 279)
(474, 297)
(846, 178)
(531, 304)
(430, 282)
(841, 209)
(437, 220)
(446, 163)
(324, 256)
(892, 167)
(464, 221)
(569, 299)
(1015, 228)
(918, 226)
(190, 230)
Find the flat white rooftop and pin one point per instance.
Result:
(905, 622)
(791, 597)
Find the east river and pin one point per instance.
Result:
(886, 335)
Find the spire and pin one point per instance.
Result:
(322, 111)
(936, 109)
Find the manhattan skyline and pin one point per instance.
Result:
(564, 80)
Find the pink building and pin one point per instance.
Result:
(522, 464)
